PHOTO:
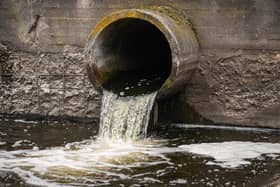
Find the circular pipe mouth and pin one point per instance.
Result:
(138, 51)
(132, 57)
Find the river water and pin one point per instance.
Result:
(55, 154)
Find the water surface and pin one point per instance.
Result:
(57, 154)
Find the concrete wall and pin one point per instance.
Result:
(237, 81)
(219, 24)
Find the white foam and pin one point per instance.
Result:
(80, 161)
(178, 181)
(101, 162)
(234, 153)
(3, 134)
(25, 121)
(23, 143)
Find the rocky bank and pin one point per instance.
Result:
(240, 88)
(46, 85)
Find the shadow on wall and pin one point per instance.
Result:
(176, 109)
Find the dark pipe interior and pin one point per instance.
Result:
(133, 56)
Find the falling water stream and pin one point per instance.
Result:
(125, 118)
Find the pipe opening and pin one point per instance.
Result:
(132, 57)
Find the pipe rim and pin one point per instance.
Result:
(162, 22)
(145, 15)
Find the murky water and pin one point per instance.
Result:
(176, 155)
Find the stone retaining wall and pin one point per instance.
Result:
(241, 87)
(48, 85)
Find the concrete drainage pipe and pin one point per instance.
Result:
(138, 44)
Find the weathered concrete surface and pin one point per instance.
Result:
(49, 24)
(241, 87)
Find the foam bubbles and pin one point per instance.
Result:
(98, 162)
(233, 154)
(87, 161)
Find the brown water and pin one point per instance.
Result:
(57, 154)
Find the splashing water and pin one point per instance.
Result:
(121, 144)
(84, 163)
(125, 118)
